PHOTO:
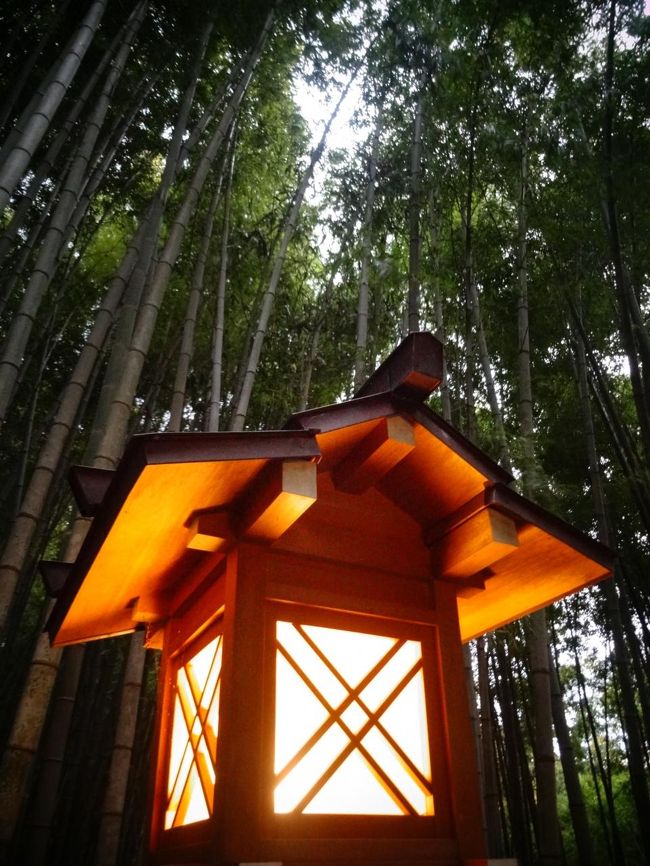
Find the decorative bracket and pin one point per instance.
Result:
(284, 491)
(384, 447)
(210, 530)
(474, 544)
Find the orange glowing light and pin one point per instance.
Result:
(191, 777)
(350, 724)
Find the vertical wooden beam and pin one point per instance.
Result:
(239, 760)
(463, 761)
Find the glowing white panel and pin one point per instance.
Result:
(191, 775)
(353, 790)
(342, 758)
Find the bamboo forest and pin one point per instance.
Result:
(214, 215)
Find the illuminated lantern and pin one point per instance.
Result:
(310, 590)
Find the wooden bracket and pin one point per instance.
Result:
(472, 586)
(154, 636)
(89, 486)
(383, 448)
(148, 609)
(54, 575)
(283, 492)
(475, 544)
(210, 530)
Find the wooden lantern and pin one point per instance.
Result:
(310, 590)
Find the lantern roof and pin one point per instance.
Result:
(179, 501)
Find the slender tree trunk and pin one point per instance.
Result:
(515, 768)
(548, 830)
(208, 114)
(637, 770)
(191, 314)
(577, 808)
(44, 267)
(18, 757)
(108, 841)
(414, 212)
(596, 739)
(57, 146)
(31, 511)
(490, 790)
(145, 265)
(17, 161)
(366, 240)
(106, 152)
(42, 811)
(239, 416)
(216, 355)
(621, 436)
(438, 312)
(15, 89)
(112, 441)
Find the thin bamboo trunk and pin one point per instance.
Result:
(617, 844)
(415, 184)
(577, 808)
(438, 311)
(43, 807)
(14, 91)
(191, 314)
(56, 147)
(17, 161)
(323, 302)
(474, 324)
(239, 415)
(634, 330)
(514, 766)
(18, 757)
(25, 252)
(638, 775)
(23, 119)
(216, 355)
(111, 444)
(548, 829)
(45, 264)
(106, 152)
(108, 840)
(145, 265)
(366, 236)
(490, 790)
(31, 511)
(620, 433)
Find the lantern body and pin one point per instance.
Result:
(334, 677)
(310, 590)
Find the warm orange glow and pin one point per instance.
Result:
(350, 724)
(191, 778)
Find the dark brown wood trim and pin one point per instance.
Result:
(89, 486)
(209, 447)
(55, 575)
(413, 369)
